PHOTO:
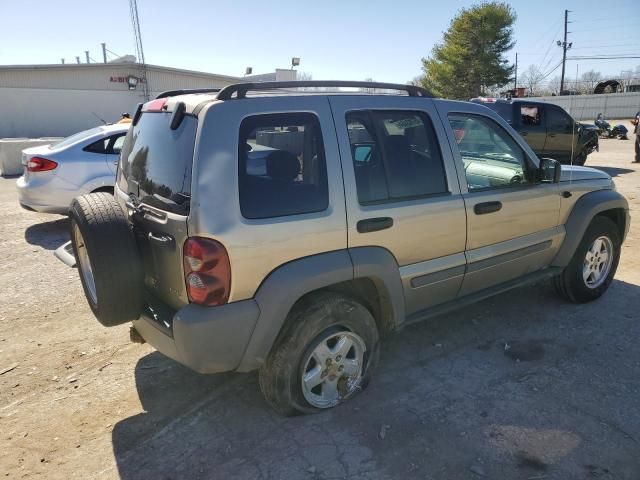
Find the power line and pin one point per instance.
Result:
(604, 57)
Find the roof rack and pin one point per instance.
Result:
(241, 89)
(187, 91)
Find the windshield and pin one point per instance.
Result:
(77, 137)
(156, 162)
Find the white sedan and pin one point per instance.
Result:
(82, 163)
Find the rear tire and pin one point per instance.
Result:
(587, 276)
(107, 258)
(323, 318)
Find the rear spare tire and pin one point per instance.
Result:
(107, 258)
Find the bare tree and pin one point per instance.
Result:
(532, 79)
(553, 85)
(589, 80)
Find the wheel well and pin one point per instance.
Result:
(104, 189)
(366, 291)
(617, 216)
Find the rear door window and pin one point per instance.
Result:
(396, 156)
(156, 162)
(505, 110)
(282, 166)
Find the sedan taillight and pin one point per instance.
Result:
(207, 272)
(39, 164)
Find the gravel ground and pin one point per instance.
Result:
(80, 401)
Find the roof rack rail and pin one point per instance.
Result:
(187, 91)
(241, 89)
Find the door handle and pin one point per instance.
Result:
(487, 207)
(374, 224)
(552, 134)
(161, 240)
(524, 134)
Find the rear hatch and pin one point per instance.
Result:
(155, 178)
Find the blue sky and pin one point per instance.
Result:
(350, 40)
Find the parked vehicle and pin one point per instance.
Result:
(82, 163)
(605, 130)
(547, 128)
(290, 232)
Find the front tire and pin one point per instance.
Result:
(326, 355)
(593, 265)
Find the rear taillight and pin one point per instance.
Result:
(207, 272)
(39, 164)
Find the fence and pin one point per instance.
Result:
(587, 107)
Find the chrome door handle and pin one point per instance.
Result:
(161, 240)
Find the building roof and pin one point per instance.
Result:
(109, 65)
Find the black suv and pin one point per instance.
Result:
(547, 128)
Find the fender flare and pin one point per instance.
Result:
(284, 286)
(584, 210)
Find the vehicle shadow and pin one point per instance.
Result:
(48, 235)
(613, 171)
(449, 391)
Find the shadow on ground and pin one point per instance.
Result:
(522, 385)
(48, 235)
(613, 171)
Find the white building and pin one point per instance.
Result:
(59, 100)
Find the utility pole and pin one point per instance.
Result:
(565, 46)
(86, 54)
(104, 52)
(515, 80)
(135, 21)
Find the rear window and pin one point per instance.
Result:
(77, 137)
(156, 162)
(505, 110)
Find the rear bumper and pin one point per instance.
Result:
(46, 194)
(205, 339)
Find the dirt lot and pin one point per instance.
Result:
(81, 401)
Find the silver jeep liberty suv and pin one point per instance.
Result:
(269, 227)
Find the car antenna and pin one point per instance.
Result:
(101, 119)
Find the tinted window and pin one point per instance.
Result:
(505, 110)
(110, 145)
(491, 157)
(156, 162)
(282, 166)
(97, 147)
(558, 120)
(530, 115)
(395, 154)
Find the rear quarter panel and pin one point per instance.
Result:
(257, 247)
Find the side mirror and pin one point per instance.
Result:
(549, 170)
